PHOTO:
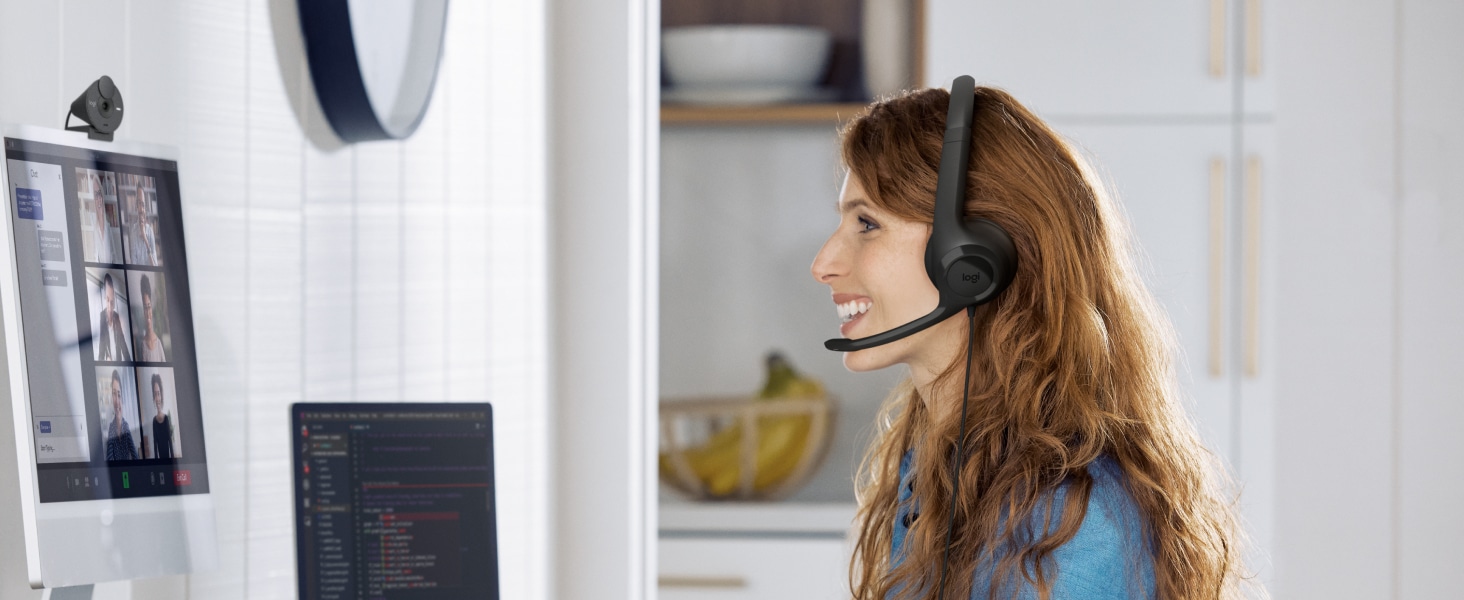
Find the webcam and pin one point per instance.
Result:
(100, 107)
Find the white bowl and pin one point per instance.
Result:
(751, 55)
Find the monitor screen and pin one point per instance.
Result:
(394, 501)
(106, 323)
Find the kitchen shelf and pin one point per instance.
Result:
(751, 518)
(842, 18)
(770, 113)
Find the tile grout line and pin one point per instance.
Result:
(1396, 406)
(248, 361)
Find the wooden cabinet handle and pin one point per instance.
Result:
(1253, 38)
(700, 581)
(1217, 267)
(1217, 38)
(1251, 314)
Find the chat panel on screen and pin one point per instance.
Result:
(43, 248)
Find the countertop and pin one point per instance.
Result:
(755, 518)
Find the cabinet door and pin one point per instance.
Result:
(1256, 36)
(1081, 58)
(1173, 181)
(1255, 457)
(772, 568)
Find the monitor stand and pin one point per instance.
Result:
(76, 592)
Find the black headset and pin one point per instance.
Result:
(969, 261)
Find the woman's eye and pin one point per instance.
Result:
(867, 225)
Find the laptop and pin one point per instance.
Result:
(394, 501)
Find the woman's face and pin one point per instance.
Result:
(116, 398)
(875, 262)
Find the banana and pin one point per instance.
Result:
(713, 455)
(780, 375)
(781, 439)
(780, 446)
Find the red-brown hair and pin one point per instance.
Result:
(1073, 362)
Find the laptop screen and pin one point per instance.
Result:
(394, 501)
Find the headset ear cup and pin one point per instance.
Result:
(997, 254)
(975, 266)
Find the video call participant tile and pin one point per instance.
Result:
(117, 411)
(110, 319)
(137, 197)
(101, 224)
(152, 338)
(159, 399)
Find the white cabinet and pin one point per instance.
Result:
(1202, 220)
(737, 551)
(1174, 183)
(1258, 236)
(1130, 58)
(1431, 326)
(1256, 40)
(1072, 57)
(762, 568)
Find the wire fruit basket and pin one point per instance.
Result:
(743, 447)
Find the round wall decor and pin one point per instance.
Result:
(373, 62)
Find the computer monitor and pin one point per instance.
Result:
(102, 378)
(394, 501)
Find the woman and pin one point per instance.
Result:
(1082, 476)
(162, 426)
(151, 345)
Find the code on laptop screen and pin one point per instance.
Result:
(394, 501)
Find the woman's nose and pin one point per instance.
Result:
(828, 263)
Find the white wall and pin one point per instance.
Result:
(604, 250)
(1430, 451)
(411, 270)
(1373, 466)
(1336, 355)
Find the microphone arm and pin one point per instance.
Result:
(940, 313)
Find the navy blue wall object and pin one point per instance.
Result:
(336, 69)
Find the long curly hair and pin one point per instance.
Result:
(1072, 362)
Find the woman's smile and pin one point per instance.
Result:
(851, 308)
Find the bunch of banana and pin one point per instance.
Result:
(781, 439)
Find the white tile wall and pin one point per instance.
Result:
(383, 271)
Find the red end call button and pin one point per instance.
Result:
(182, 477)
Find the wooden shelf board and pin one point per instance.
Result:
(773, 113)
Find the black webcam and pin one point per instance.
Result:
(100, 107)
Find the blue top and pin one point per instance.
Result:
(1108, 558)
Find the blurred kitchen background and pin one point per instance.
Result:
(1290, 173)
